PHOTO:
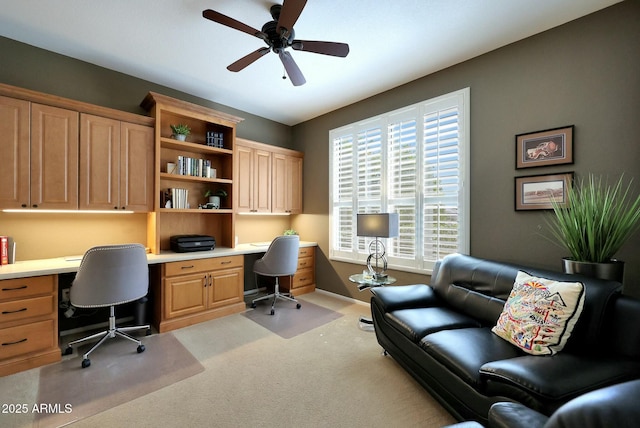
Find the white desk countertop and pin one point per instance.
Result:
(57, 265)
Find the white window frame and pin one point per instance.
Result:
(355, 249)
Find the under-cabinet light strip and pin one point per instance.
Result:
(39, 211)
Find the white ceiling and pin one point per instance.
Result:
(168, 42)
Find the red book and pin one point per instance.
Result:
(4, 250)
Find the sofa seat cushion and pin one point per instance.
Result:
(417, 323)
(556, 378)
(405, 296)
(463, 351)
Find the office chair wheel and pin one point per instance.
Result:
(298, 306)
(253, 305)
(140, 349)
(68, 351)
(86, 363)
(273, 311)
(148, 333)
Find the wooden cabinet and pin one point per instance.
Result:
(287, 184)
(304, 280)
(116, 165)
(211, 142)
(28, 323)
(40, 152)
(253, 178)
(198, 290)
(39, 148)
(269, 178)
(14, 152)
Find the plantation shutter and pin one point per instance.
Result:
(441, 183)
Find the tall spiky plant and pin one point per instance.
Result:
(597, 220)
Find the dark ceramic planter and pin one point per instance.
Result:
(612, 271)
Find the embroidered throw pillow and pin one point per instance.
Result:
(540, 314)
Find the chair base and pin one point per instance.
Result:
(276, 295)
(111, 333)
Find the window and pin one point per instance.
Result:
(413, 161)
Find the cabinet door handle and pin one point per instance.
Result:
(13, 312)
(187, 267)
(14, 343)
(22, 287)
(205, 281)
(225, 263)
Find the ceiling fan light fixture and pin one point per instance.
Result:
(279, 34)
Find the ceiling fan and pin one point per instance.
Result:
(279, 35)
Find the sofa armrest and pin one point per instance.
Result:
(405, 297)
(514, 415)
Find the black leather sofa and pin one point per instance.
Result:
(612, 406)
(441, 335)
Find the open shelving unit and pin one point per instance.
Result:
(165, 222)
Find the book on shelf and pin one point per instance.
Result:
(179, 198)
(4, 250)
(195, 167)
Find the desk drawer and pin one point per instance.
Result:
(305, 262)
(26, 338)
(303, 277)
(306, 252)
(202, 265)
(26, 287)
(26, 308)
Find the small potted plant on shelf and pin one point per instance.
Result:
(214, 197)
(594, 224)
(180, 131)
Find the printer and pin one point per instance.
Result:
(191, 243)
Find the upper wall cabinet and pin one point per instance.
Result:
(287, 184)
(269, 178)
(39, 149)
(14, 152)
(253, 178)
(116, 165)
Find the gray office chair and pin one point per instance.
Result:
(108, 276)
(281, 259)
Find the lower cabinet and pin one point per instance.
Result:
(193, 291)
(304, 280)
(28, 323)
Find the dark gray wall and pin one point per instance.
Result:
(40, 70)
(585, 73)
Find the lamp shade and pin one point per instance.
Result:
(383, 225)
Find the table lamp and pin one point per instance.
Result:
(383, 225)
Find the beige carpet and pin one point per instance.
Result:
(333, 375)
(117, 375)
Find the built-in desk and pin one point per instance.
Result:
(29, 296)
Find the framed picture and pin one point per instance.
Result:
(544, 148)
(536, 192)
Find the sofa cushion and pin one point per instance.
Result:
(405, 296)
(417, 323)
(540, 314)
(463, 351)
(555, 378)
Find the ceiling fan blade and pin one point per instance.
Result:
(325, 48)
(232, 23)
(291, 10)
(248, 59)
(294, 73)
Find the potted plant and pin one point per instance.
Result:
(214, 197)
(180, 131)
(596, 221)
